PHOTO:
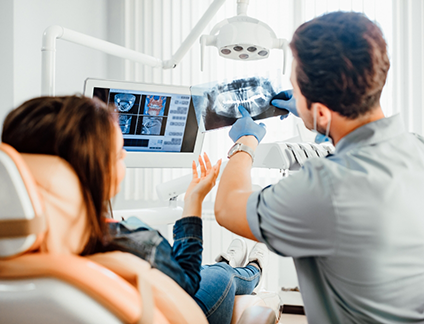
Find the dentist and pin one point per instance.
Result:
(354, 221)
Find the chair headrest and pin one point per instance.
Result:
(41, 205)
(22, 221)
(65, 210)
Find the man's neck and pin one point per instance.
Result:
(341, 126)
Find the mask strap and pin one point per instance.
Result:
(327, 131)
(315, 117)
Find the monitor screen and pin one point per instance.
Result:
(158, 122)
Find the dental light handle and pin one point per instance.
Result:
(205, 40)
(282, 43)
(285, 46)
(202, 51)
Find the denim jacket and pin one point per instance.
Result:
(181, 262)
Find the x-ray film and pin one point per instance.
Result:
(216, 104)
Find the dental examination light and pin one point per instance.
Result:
(243, 38)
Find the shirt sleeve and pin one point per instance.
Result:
(295, 217)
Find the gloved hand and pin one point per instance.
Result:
(285, 100)
(246, 126)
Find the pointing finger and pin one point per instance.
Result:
(243, 111)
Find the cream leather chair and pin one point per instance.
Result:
(44, 280)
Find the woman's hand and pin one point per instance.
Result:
(200, 186)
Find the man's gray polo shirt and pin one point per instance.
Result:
(354, 224)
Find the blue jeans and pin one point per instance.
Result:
(213, 287)
(219, 285)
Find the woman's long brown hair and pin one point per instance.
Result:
(81, 131)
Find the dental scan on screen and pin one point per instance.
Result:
(149, 121)
(216, 104)
(158, 122)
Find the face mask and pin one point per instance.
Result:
(321, 138)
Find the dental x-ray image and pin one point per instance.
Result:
(217, 103)
(127, 106)
(151, 126)
(155, 105)
(126, 102)
(125, 123)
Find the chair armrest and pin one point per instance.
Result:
(258, 315)
(101, 284)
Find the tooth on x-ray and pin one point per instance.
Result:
(252, 94)
(124, 101)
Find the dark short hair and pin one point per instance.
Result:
(341, 61)
(80, 130)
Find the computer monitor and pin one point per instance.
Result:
(158, 122)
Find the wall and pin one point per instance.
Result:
(407, 63)
(6, 58)
(22, 26)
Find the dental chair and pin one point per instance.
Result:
(44, 280)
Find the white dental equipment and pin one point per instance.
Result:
(243, 38)
(160, 217)
(288, 156)
(291, 154)
(243, 31)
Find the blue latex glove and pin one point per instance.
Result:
(246, 126)
(285, 100)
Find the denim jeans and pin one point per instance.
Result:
(219, 285)
(213, 287)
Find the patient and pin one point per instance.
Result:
(85, 133)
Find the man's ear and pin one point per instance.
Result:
(323, 113)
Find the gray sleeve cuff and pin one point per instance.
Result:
(252, 215)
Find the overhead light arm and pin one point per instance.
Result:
(242, 7)
(52, 33)
(48, 53)
(194, 34)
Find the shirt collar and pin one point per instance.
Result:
(372, 133)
